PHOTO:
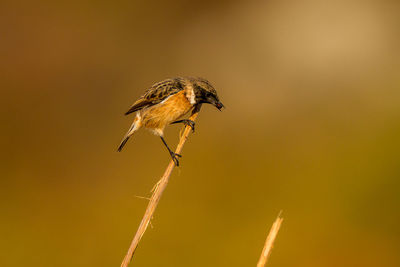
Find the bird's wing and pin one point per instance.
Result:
(156, 94)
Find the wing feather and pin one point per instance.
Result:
(157, 93)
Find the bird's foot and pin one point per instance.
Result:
(190, 123)
(175, 157)
(186, 123)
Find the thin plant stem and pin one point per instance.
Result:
(157, 192)
(270, 241)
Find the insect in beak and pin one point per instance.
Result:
(219, 105)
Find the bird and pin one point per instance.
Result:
(166, 102)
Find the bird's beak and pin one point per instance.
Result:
(219, 105)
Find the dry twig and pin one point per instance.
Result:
(270, 241)
(157, 192)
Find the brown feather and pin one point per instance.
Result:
(157, 93)
(159, 116)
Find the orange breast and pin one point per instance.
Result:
(171, 109)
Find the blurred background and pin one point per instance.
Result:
(311, 127)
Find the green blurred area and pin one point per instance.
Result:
(312, 127)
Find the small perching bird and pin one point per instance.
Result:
(166, 102)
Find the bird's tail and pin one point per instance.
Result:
(132, 130)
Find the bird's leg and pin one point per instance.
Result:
(186, 123)
(174, 155)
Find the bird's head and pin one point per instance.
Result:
(205, 93)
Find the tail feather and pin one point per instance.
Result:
(133, 129)
(123, 143)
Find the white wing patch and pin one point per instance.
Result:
(190, 94)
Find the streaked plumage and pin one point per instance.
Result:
(157, 93)
(167, 101)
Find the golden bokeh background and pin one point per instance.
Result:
(311, 127)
